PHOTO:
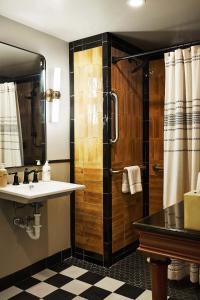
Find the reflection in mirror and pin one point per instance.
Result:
(22, 106)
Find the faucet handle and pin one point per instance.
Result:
(16, 178)
(26, 173)
(35, 177)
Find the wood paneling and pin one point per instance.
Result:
(156, 131)
(127, 151)
(88, 148)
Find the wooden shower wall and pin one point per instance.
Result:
(88, 135)
(156, 130)
(127, 151)
(88, 146)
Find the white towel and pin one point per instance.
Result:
(131, 180)
(198, 183)
(125, 183)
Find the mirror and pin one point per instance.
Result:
(22, 106)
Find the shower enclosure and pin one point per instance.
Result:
(116, 121)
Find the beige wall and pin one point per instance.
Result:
(17, 250)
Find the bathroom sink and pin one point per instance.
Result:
(36, 192)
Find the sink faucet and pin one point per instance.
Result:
(16, 179)
(35, 177)
(26, 173)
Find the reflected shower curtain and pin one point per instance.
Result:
(11, 147)
(181, 135)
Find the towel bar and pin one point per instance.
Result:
(122, 171)
(157, 168)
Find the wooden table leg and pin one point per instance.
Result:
(159, 279)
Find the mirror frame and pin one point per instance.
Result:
(45, 108)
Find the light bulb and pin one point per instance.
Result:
(55, 113)
(56, 79)
(136, 3)
(55, 107)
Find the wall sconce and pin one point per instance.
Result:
(55, 92)
(53, 96)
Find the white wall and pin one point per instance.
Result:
(56, 53)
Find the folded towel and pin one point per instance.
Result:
(198, 183)
(125, 183)
(131, 180)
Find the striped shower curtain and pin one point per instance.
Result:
(11, 147)
(181, 136)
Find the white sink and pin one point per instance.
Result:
(36, 192)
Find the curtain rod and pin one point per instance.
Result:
(116, 59)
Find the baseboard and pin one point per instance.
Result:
(59, 258)
(34, 268)
(124, 252)
(88, 256)
(99, 259)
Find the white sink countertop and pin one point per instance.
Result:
(35, 192)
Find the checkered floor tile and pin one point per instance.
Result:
(80, 280)
(73, 282)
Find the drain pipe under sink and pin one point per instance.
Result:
(34, 230)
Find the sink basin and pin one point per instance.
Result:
(36, 192)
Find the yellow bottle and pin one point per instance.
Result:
(3, 176)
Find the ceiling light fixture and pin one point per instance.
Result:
(136, 3)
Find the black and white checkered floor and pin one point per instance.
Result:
(77, 279)
(73, 283)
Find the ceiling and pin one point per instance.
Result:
(159, 23)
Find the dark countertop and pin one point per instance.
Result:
(169, 221)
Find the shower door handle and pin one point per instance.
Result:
(114, 98)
